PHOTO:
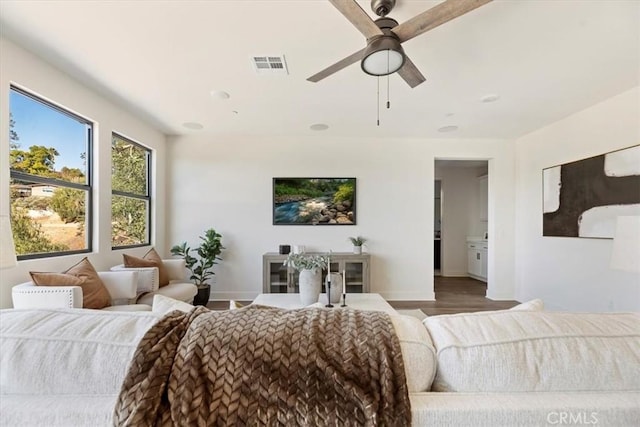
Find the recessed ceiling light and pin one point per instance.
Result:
(219, 94)
(193, 125)
(489, 98)
(448, 128)
(319, 126)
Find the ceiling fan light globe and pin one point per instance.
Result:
(384, 55)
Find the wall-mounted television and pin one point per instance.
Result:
(314, 201)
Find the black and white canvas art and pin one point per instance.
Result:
(584, 198)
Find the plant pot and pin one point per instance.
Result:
(202, 297)
(357, 250)
(336, 287)
(310, 283)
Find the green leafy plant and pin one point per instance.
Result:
(306, 262)
(357, 241)
(201, 267)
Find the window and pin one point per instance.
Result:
(50, 170)
(130, 197)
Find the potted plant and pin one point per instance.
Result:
(357, 241)
(201, 267)
(310, 279)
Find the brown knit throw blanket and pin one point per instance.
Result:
(260, 366)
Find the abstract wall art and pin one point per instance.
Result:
(584, 198)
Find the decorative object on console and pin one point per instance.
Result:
(314, 201)
(8, 253)
(625, 254)
(310, 279)
(344, 288)
(284, 249)
(358, 242)
(201, 268)
(583, 198)
(336, 286)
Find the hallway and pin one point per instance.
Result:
(456, 295)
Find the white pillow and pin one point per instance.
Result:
(418, 353)
(163, 305)
(524, 351)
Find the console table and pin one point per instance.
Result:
(277, 278)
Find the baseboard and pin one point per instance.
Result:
(454, 274)
(238, 296)
(389, 296)
(499, 297)
(408, 296)
(482, 279)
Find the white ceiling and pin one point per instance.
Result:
(546, 59)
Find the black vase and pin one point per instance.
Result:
(202, 297)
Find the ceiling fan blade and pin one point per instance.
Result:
(358, 17)
(437, 15)
(410, 73)
(355, 57)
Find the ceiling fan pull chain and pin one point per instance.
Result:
(378, 99)
(388, 102)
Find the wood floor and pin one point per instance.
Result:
(456, 295)
(453, 295)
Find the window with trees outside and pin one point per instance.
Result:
(50, 171)
(130, 198)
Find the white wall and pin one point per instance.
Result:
(225, 183)
(572, 273)
(21, 68)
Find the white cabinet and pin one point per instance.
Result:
(483, 258)
(483, 195)
(474, 259)
(477, 260)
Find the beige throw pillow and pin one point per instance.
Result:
(94, 293)
(150, 259)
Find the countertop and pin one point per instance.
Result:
(477, 240)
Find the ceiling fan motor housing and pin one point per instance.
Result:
(382, 7)
(386, 24)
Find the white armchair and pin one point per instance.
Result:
(121, 285)
(148, 283)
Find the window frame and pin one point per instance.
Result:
(146, 198)
(87, 186)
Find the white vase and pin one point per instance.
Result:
(310, 283)
(357, 250)
(336, 287)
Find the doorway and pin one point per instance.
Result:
(437, 226)
(461, 225)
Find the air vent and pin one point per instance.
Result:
(269, 64)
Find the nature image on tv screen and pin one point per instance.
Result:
(314, 201)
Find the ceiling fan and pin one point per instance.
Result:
(384, 53)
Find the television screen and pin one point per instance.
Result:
(314, 201)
